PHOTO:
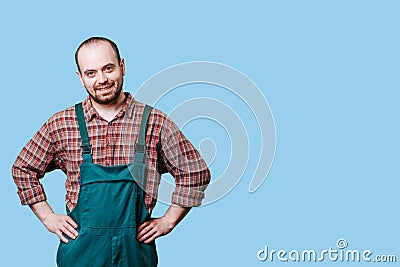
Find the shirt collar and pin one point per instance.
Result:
(90, 112)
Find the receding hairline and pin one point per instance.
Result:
(95, 41)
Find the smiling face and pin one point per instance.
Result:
(100, 72)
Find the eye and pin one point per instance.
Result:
(90, 74)
(109, 68)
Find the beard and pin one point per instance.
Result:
(107, 99)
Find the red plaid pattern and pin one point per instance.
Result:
(57, 145)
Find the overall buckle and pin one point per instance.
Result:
(140, 148)
(86, 149)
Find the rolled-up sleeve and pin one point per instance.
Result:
(35, 159)
(181, 159)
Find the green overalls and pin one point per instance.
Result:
(110, 208)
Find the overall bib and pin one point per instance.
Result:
(110, 208)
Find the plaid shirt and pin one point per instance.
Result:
(57, 145)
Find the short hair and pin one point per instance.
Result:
(93, 40)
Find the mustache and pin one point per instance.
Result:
(103, 86)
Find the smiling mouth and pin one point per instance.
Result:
(104, 88)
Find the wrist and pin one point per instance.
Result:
(42, 210)
(46, 216)
(169, 222)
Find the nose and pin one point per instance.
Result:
(101, 77)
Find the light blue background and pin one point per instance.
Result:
(329, 70)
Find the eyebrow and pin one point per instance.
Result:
(108, 65)
(103, 67)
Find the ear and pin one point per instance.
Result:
(80, 78)
(122, 65)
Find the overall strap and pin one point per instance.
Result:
(140, 146)
(86, 147)
(139, 159)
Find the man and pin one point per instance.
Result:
(110, 195)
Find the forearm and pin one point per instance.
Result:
(175, 214)
(42, 210)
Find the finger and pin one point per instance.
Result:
(68, 233)
(62, 238)
(140, 234)
(149, 234)
(71, 229)
(144, 228)
(145, 231)
(143, 225)
(151, 238)
(72, 222)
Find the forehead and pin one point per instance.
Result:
(96, 55)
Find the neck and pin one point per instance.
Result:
(108, 111)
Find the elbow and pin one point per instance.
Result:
(15, 168)
(207, 176)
